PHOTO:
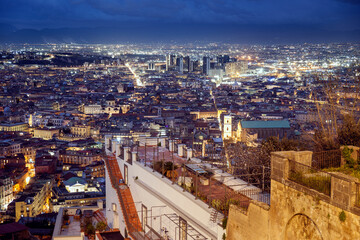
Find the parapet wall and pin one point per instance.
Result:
(296, 211)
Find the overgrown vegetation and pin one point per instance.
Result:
(351, 166)
(166, 168)
(87, 226)
(100, 226)
(224, 223)
(89, 229)
(349, 133)
(349, 160)
(249, 162)
(224, 205)
(342, 216)
(319, 183)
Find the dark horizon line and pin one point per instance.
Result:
(181, 33)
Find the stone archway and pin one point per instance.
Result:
(301, 227)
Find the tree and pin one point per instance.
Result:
(336, 99)
(252, 164)
(273, 144)
(89, 229)
(101, 226)
(349, 133)
(166, 168)
(170, 170)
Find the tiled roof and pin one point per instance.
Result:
(265, 124)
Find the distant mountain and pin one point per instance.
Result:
(6, 28)
(6, 32)
(155, 32)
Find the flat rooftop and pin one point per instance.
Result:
(73, 229)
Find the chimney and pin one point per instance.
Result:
(126, 153)
(181, 150)
(134, 154)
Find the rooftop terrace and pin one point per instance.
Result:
(213, 185)
(74, 226)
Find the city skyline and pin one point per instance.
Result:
(98, 139)
(180, 119)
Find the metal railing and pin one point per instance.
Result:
(215, 192)
(326, 159)
(310, 177)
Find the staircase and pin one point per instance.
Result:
(132, 221)
(99, 216)
(214, 216)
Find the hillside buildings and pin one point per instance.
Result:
(168, 136)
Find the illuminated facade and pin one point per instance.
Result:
(35, 200)
(81, 131)
(6, 192)
(236, 68)
(14, 127)
(46, 133)
(227, 129)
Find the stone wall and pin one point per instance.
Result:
(298, 212)
(320, 219)
(254, 224)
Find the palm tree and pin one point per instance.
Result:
(170, 170)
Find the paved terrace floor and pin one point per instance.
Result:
(73, 229)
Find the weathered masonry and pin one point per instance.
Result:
(305, 204)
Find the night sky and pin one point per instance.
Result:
(228, 20)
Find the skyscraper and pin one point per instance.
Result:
(181, 64)
(206, 65)
(172, 60)
(222, 59)
(191, 66)
(151, 66)
(187, 63)
(168, 59)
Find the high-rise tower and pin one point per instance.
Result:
(206, 65)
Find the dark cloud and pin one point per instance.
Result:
(38, 14)
(350, 1)
(173, 10)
